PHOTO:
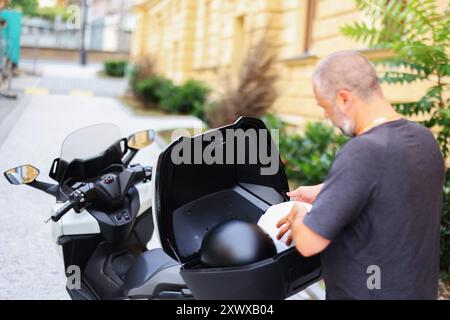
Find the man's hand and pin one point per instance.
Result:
(296, 214)
(307, 242)
(305, 193)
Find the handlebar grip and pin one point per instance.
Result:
(142, 172)
(63, 210)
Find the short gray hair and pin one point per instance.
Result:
(348, 70)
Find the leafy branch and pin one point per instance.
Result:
(418, 35)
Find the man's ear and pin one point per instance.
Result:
(345, 100)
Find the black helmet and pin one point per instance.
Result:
(236, 243)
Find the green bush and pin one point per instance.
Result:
(140, 70)
(50, 13)
(132, 75)
(445, 228)
(115, 68)
(27, 7)
(153, 89)
(188, 98)
(306, 157)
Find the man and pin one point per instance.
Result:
(376, 218)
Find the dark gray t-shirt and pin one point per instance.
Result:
(381, 207)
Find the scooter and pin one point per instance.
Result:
(103, 220)
(108, 209)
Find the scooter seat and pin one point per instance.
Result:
(147, 266)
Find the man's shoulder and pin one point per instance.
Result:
(378, 139)
(360, 154)
(421, 131)
(365, 144)
(378, 144)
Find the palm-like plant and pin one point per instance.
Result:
(418, 35)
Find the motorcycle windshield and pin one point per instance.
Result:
(89, 142)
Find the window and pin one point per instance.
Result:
(310, 12)
(206, 32)
(238, 40)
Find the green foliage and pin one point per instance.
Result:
(115, 68)
(28, 7)
(307, 157)
(188, 98)
(419, 37)
(50, 13)
(139, 71)
(133, 80)
(153, 89)
(31, 8)
(445, 228)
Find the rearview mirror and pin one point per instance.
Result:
(141, 139)
(21, 175)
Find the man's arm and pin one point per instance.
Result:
(305, 193)
(307, 242)
(348, 188)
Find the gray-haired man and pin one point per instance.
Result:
(376, 218)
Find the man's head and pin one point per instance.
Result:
(344, 83)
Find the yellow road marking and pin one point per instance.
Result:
(81, 93)
(36, 91)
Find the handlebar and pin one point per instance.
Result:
(142, 172)
(68, 205)
(77, 199)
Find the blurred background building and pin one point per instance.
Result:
(57, 25)
(201, 38)
(111, 25)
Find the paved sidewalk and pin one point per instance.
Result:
(6, 107)
(68, 78)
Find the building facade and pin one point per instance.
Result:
(109, 26)
(202, 38)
